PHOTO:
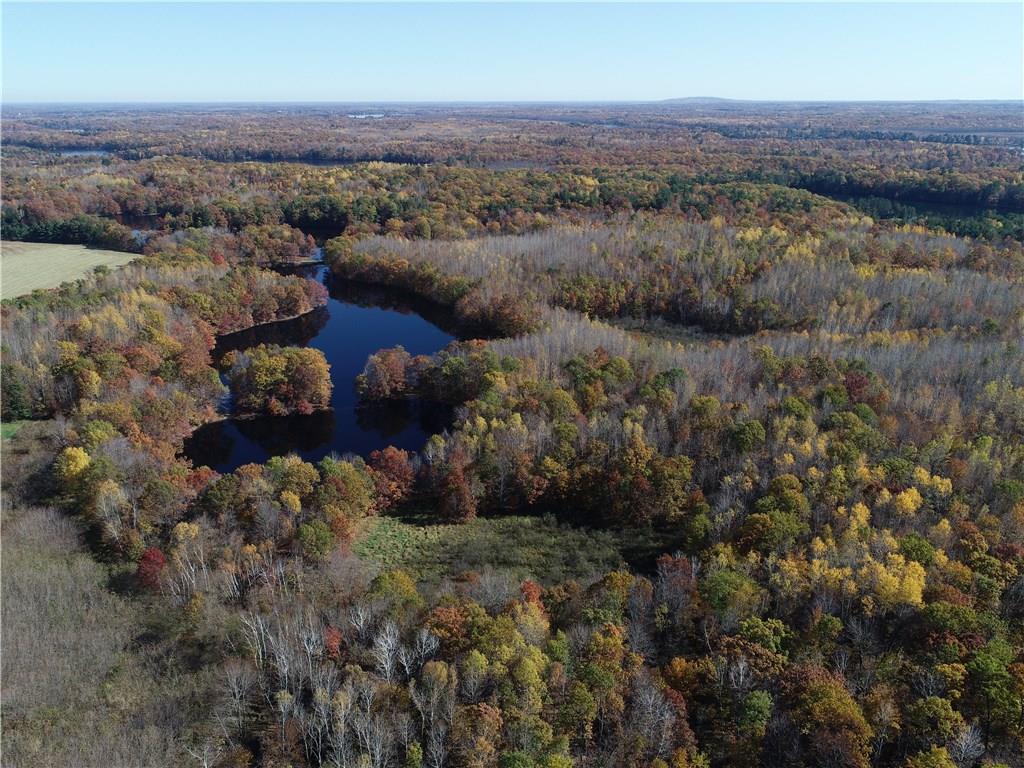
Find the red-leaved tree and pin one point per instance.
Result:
(151, 565)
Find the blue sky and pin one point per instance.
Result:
(473, 52)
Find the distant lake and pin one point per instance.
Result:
(357, 321)
(139, 221)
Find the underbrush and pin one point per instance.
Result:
(81, 686)
(73, 693)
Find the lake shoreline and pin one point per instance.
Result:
(358, 320)
(245, 329)
(254, 415)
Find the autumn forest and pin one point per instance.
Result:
(686, 434)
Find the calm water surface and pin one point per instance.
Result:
(357, 321)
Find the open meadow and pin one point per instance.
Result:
(25, 267)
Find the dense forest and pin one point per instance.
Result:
(733, 475)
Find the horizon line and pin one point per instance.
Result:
(444, 102)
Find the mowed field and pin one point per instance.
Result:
(24, 267)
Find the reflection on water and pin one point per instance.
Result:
(298, 332)
(390, 420)
(357, 321)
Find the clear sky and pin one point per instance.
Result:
(480, 52)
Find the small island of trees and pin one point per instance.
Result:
(279, 380)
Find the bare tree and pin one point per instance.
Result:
(385, 650)
(341, 738)
(966, 746)
(376, 737)
(415, 656)
(207, 754)
(257, 636)
(360, 618)
(239, 682)
(653, 716)
(437, 745)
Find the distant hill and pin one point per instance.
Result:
(698, 100)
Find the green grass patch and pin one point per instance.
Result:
(536, 547)
(26, 267)
(9, 429)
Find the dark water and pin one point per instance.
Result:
(139, 221)
(357, 321)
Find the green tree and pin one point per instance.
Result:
(316, 540)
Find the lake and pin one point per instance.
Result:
(357, 321)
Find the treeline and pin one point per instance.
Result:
(981, 225)
(477, 310)
(83, 229)
(952, 188)
(851, 278)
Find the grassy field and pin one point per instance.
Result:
(24, 267)
(9, 429)
(535, 547)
